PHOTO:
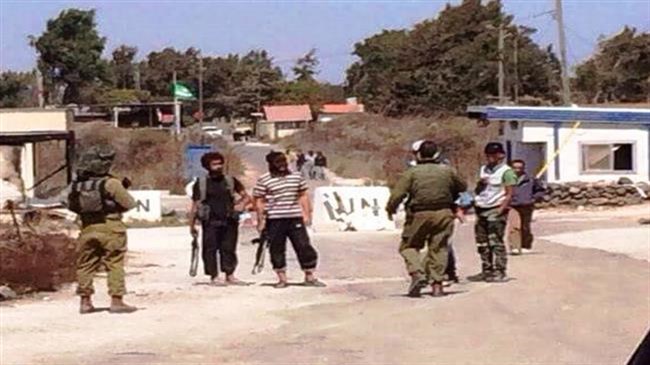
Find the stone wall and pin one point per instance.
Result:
(577, 194)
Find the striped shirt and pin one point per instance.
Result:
(281, 194)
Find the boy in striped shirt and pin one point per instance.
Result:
(284, 210)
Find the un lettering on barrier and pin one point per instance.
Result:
(148, 206)
(351, 209)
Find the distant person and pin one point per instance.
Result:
(308, 167)
(524, 194)
(320, 164)
(291, 157)
(100, 199)
(300, 161)
(215, 205)
(284, 212)
(493, 197)
(432, 189)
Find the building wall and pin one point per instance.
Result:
(570, 157)
(266, 130)
(32, 120)
(287, 132)
(273, 131)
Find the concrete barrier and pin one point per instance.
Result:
(148, 206)
(351, 208)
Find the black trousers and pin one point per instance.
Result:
(294, 229)
(450, 271)
(220, 238)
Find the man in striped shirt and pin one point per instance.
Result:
(284, 210)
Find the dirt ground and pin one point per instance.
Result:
(564, 305)
(580, 297)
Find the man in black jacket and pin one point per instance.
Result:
(524, 195)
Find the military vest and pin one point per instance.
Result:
(89, 197)
(203, 211)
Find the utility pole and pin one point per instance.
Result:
(39, 89)
(201, 95)
(515, 60)
(566, 87)
(502, 76)
(136, 76)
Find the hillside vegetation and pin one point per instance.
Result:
(377, 147)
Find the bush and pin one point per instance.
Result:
(152, 158)
(378, 147)
(37, 262)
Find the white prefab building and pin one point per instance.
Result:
(575, 143)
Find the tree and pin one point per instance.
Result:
(70, 52)
(258, 83)
(17, 89)
(123, 66)
(447, 63)
(619, 71)
(158, 68)
(379, 61)
(310, 92)
(305, 67)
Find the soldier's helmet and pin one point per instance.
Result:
(95, 161)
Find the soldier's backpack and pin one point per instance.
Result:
(88, 196)
(203, 211)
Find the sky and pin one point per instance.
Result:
(288, 29)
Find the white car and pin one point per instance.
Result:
(213, 131)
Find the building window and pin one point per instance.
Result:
(290, 125)
(614, 157)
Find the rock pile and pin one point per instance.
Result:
(594, 194)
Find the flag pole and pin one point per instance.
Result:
(177, 109)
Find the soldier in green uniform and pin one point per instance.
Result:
(493, 196)
(100, 199)
(432, 189)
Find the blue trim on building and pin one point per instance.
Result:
(562, 114)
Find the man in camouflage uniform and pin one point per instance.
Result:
(100, 199)
(432, 189)
(493, 196)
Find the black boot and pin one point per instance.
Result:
(482, 276)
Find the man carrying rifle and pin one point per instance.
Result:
(215, 205)
(284, 211)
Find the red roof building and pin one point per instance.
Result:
(283, 120)
(287, 113)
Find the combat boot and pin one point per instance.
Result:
(482, 276)
(118, 306)
(86, 305)
(499, 277)
(418, 282)
(437, 290)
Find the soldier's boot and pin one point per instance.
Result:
(418, 282)
(482, 276)
(437, 290)
(86, 305)
(498, 277)
(118, 306)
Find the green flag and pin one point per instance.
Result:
(181, 91)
